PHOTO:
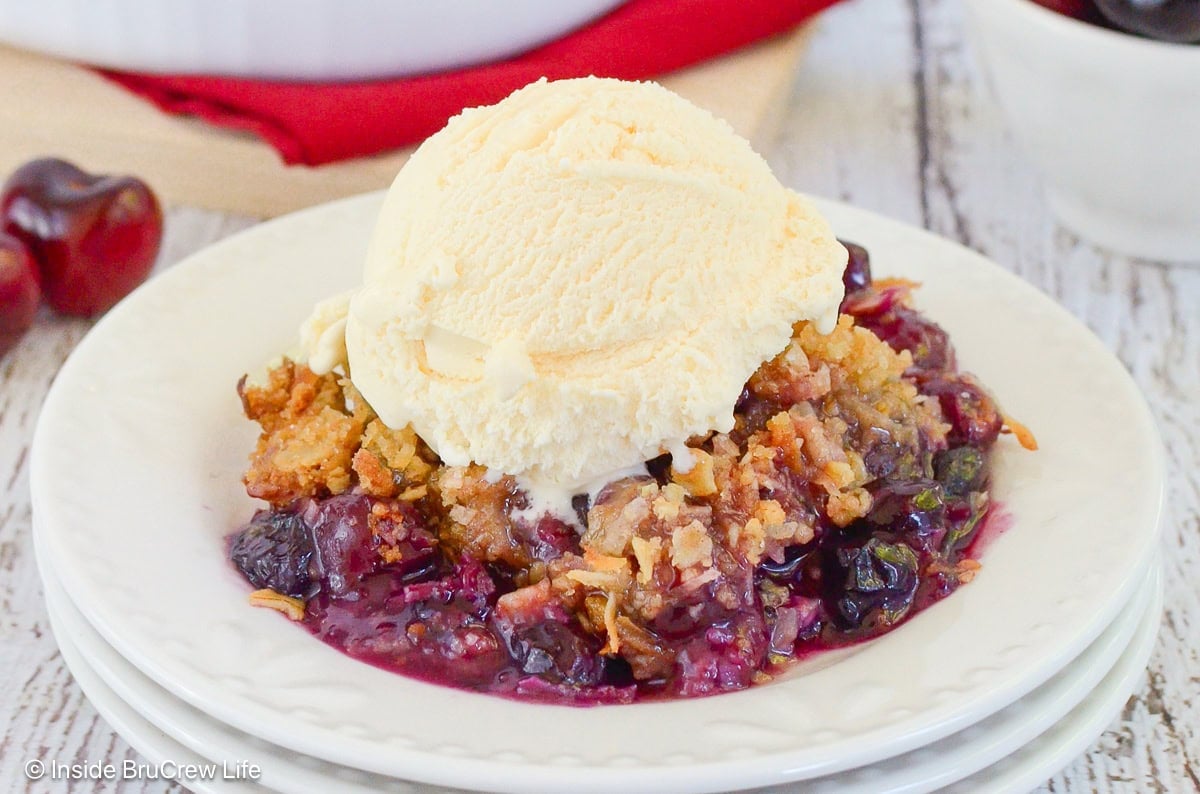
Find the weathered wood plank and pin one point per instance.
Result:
(43, 714)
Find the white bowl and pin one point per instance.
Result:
(1111, 120)
(290, 39)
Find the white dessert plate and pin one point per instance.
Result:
(135, 482)
(952, 758)
(160, 746)
(149, 740)
(190, 730)
(1037, 761)
(1020, 771)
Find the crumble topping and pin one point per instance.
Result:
(309, 435)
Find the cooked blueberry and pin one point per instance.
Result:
(275, 551)
(345, 548)
(880, 582)
(555, 652)
(961, 469)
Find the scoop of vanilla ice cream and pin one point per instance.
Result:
(323, 334)
(580, 278)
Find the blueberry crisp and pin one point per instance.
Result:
(844, 500)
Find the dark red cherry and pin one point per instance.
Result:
(19, 291)
(94, 238)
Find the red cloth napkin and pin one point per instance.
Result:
(314, 123)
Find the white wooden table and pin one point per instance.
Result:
(889, 112)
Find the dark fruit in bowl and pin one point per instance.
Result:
(94, 238)
(19, 291)
(1079, 9)
(1166, 20)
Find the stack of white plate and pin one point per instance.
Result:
(136, 482)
